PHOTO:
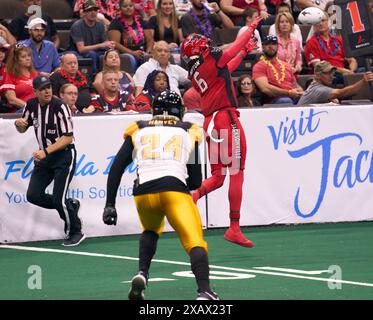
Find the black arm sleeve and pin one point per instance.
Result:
(194, 169)
(120, 163)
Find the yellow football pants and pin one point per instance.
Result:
(181, 213)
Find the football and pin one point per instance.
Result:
(311, 16)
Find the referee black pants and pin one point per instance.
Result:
(58, 167)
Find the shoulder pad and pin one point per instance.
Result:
(131, 129)
(196, 132)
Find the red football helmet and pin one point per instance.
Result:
(194, 45)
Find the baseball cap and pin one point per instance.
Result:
(34, 22)
(89, 4)
(41, 82)
(324, 67)
(270, 39)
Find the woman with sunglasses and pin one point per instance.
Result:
(245, 89)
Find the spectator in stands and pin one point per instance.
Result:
(161, 61)
(165, 25)
(17, 85)
(303, 4)
(245, 89)
(112, 99)
(144, 9)
(108, 8)
(321, 91)
(329, 9)
(5, 36)
(235, 8)
(89, 35)
(249, 15)
(3, 52)
(156, 82)
(203, 19)
(129, 35)
(323, 46)
(111, 62)
(69, 95)
(296, 33)
(69, 73)
(275, 78)
(44, 54)
(289, 48)
(273, 6)
(18, 24)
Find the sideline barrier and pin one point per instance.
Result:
(304, 165)
(98, 139)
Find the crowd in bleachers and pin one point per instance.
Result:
(101, 56)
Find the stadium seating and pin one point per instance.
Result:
(305, 30)
(86, 66)
(10, 9)
(264, 30)
(58, 9)
(224, 36)
(363, 94)
(246, 65)
(304, 80)
(64, 36)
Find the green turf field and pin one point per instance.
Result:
(287, 262)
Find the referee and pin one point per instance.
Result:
(55, 159)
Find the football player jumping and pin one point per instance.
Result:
(210, 71)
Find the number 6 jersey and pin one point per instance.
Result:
(213, 83)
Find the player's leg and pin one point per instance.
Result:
(210, 184)
(184, 217)
(236, 178)
(218, 170)
(152, 221)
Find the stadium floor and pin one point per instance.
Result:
(302, 262)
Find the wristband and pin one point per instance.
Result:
(289, 92)
(218, 11)
(46, 152)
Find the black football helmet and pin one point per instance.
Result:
(169, 103)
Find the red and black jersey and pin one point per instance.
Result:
(214, 83)
(121, 102)
(143, 102)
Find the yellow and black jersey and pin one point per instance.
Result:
(166, 152)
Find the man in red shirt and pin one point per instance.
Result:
(323, 46)
(275, 78)
(111, 100)
(210, 70)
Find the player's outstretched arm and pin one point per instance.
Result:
(240, 43)
(235, 62)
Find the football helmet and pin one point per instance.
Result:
(193, 46)
(168, 103)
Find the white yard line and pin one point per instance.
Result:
(280, 274)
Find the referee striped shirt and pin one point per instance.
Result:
(50, 121)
